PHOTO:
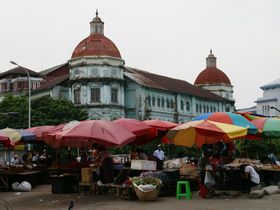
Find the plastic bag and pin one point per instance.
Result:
(22, 187)
(209, 180)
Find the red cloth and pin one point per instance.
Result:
(203, 191)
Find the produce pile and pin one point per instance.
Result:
(146, 183)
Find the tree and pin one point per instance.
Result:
(44, 111)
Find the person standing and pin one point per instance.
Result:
(159, 155)
(106, 165)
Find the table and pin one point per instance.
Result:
(4, 179)
(33, 177)
(64, 183)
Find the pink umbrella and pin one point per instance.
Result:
(161, 125)
(143, 132)
(85, 133)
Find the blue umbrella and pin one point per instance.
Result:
(27, 135)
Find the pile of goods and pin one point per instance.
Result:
(256, 163)
(174, 163)
(189, 170)
(186, 168)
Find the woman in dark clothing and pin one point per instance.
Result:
(106, 165)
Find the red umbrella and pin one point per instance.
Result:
(143, 132)
(6, 141)
(161, 125)
(85, 133)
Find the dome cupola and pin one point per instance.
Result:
(96, 44)
(212, 75)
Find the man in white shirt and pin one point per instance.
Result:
(250, 177)
(159, 155)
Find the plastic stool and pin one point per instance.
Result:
(186, 194)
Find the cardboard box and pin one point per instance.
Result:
(146, 165)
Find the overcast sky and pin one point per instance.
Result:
(170, 38)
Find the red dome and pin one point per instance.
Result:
(213, 76)
(96, 45)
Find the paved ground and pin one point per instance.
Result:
(41, 199)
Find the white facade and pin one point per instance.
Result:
(270, 102)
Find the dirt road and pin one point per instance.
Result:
(41, 199)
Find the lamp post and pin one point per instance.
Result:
(272, 107)
(29, 92)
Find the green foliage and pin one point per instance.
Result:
(48, 111)
(44, 111)
(256, 149)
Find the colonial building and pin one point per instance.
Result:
(269, 104)
(97, 79)
(215, 80)
(16, 81)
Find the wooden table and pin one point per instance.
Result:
(4, 179)
(64, 183)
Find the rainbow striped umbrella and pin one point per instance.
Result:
(269, 127)
(229, 118)
(201, 132)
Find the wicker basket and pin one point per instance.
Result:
(147, 196)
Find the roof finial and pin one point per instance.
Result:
(96, 13)
(211, 51)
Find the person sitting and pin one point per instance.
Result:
(141, 154)
(249, 177)
(15, 160)
(35, 157)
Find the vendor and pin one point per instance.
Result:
(106, 165)
(203, 161)
(141, 154)
(249, 177)
(15, 160)
(159, 155)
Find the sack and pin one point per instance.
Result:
(22, 187)
(209, 180)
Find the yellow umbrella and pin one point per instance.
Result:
(13, 134)
(204, 132)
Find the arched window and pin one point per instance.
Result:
(172, 104)
(95, 94)
(158, 102)
(182, 105)
(196, 107)
(188, 106)
(204, 108)
(214, 109)
(149, 100)
(153, 101)
(200, 108)
(162, 102)
(211, 109)
(114, 95)
(207, 109)
(77, 94)
(167, 103)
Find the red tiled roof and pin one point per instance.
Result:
(19, 71)
(52, 83)
(96, 45)
(151, 80)
(213, 76)
(49, 70)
